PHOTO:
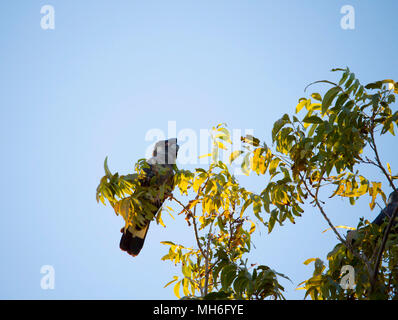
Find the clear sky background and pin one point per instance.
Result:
(111, 71)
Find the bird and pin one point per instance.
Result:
(388, 211)
(160, 172)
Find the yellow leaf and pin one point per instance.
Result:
(301, 288)
(340, 227)
(177, 289)
(221, 145)
(198, 182)
(171, 215)
(225, 135)
(252, 227)
(300, 105)
(192, 203)
(373, 191)
(234, 155)
(389, 168)
(159, 219)
(185, 283)
(175, 278)
(124, 208)
(116, 207)
(308, 261)
(205, 156)
(273, 165)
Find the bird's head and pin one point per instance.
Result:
(165, 151)
(393, 198)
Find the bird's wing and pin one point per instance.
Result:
(387, 212)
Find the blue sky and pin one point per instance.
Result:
(111, 71)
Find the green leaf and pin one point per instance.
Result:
(246, 164)
(249, 139)
(344, 77)
(350, 80)
(328, 98)
(312, 119)
(272, 220)
(379, 84)
(168, 243)
(338, 69)
(278, 125)
(240, 284)
(107, 171)
(316, 96)
(228, 275)
(312, 130)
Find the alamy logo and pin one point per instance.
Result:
(47, 21)
(348, 279)
(48, 280)
(347, 22)
(196, 145)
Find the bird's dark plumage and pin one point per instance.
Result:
(160, 172)
(388, 211)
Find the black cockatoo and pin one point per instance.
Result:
(386, 213)
(159, 173)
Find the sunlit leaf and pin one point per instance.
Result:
(235, 154)
(339, 227)
(205, 156)
(308, 261)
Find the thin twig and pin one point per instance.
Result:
(315, 197)
(196, 232)
(193, 215)
(207, 260)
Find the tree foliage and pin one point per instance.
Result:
(324, 146)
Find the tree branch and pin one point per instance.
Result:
(389, 226)
(382, 246)
(346, 243)
(315, 197)
(207, 260)
(194, 223)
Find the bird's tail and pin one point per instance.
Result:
(133, 239)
